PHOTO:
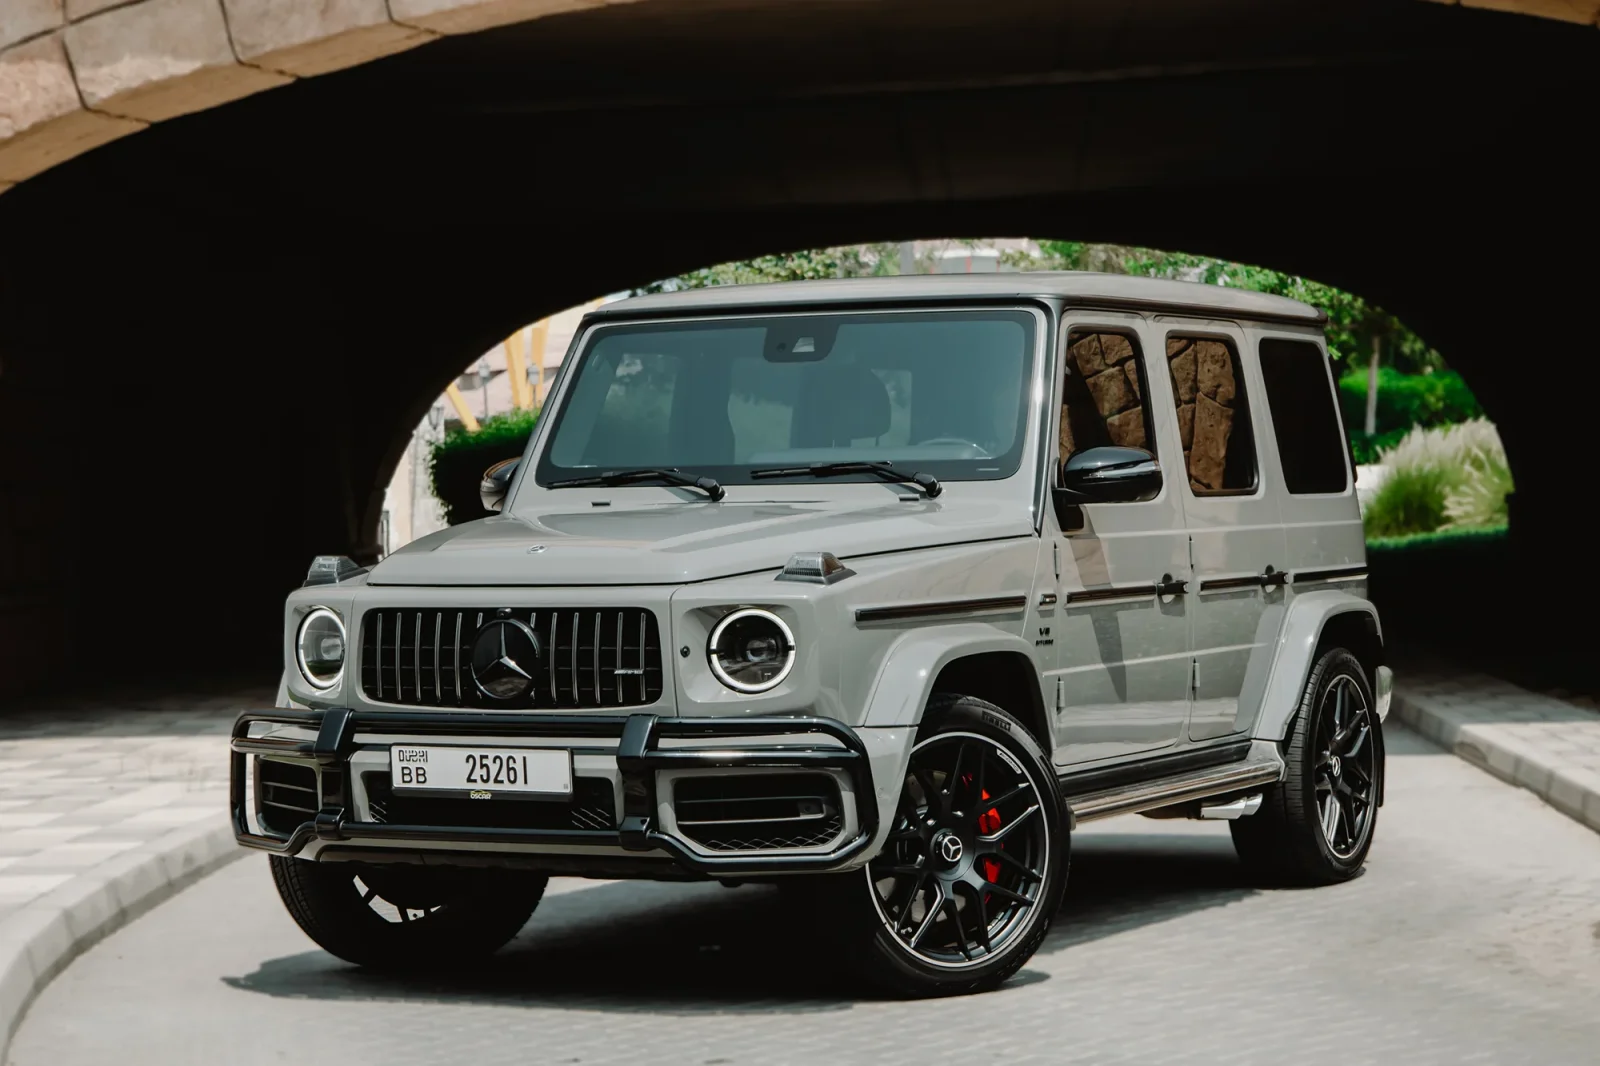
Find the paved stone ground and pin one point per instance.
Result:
(84, 783)
(1474, 936)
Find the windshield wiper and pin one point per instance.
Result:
(883, 468)
(707, 485)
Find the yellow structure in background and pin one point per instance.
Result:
(463, 412)
(525, 364)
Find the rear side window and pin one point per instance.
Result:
(1300, 398)
(1213, 415)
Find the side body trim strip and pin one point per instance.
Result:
(941, 609)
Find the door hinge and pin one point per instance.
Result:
(1194, 678)
(1061, 694)
(1055, 551)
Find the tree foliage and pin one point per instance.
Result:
(1352, 321)
(849, 261)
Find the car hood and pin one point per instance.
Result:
(679, 542)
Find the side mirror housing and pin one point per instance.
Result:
(1108, 475)
(496, 480)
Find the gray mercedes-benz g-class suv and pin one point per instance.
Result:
(873, 589)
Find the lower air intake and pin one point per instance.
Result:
(758, 812)
(286, 794)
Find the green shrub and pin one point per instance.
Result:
(1446, 477)
(1406, 400)
(456, 464)
(1367, 449)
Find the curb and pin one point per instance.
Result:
(39, 940)
(1495, 747)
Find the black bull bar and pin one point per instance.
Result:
(636, 751)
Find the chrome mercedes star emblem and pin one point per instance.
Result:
(948, 846)
(504, 654)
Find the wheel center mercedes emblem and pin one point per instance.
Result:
(948, 847)
(504, 655)
(1333, 766)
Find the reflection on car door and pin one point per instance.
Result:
(1235, 529)
(1122, 648)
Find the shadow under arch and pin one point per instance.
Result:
(216, 335)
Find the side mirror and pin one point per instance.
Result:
(1109, 475)
(496, 480)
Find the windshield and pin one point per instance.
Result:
(942, 392)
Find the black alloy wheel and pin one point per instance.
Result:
(1316, 826)
(964, 888)
(1346, 773)
(966, 858)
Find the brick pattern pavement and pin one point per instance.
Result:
(82, 784)
(1469, 940)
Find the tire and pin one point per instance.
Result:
(370, 915)
(1334, 753)
(880, 917)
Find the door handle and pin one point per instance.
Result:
(1271, 577)
(1169, 587)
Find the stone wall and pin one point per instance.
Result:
(1206, 392)
(1102, 402)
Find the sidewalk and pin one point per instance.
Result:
(1549, 746)
(105, 810)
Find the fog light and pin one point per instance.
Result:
(751, 650)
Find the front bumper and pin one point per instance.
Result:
(638, 754)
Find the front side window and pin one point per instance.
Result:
(1213, 417)
(942, 392)
(1102, 396)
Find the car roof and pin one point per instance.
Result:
(1076, 287)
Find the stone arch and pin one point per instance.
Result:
(77, 74)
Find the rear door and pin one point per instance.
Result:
(1121, 647)
(1307, 448)
(1230, 506)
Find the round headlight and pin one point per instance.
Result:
(751, 650)
(319, 647)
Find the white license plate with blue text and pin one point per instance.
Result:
(481, 772)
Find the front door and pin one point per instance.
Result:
(1235, 529)
(1120, 631)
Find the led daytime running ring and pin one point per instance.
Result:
(715, 659)
(300, 648)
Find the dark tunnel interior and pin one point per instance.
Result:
(216, 335)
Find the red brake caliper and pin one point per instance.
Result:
(989, 822)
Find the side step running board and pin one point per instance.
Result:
(1263, 767)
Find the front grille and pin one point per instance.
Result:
(286, 794)
(592, 807)
(748, 812)
(589, 657)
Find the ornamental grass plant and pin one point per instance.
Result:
(1442, 478)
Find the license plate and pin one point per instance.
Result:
(481, 773)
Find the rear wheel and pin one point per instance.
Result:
(965, 887)
(406, 917)
(1316, 826)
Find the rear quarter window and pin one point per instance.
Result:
(1304, 419)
